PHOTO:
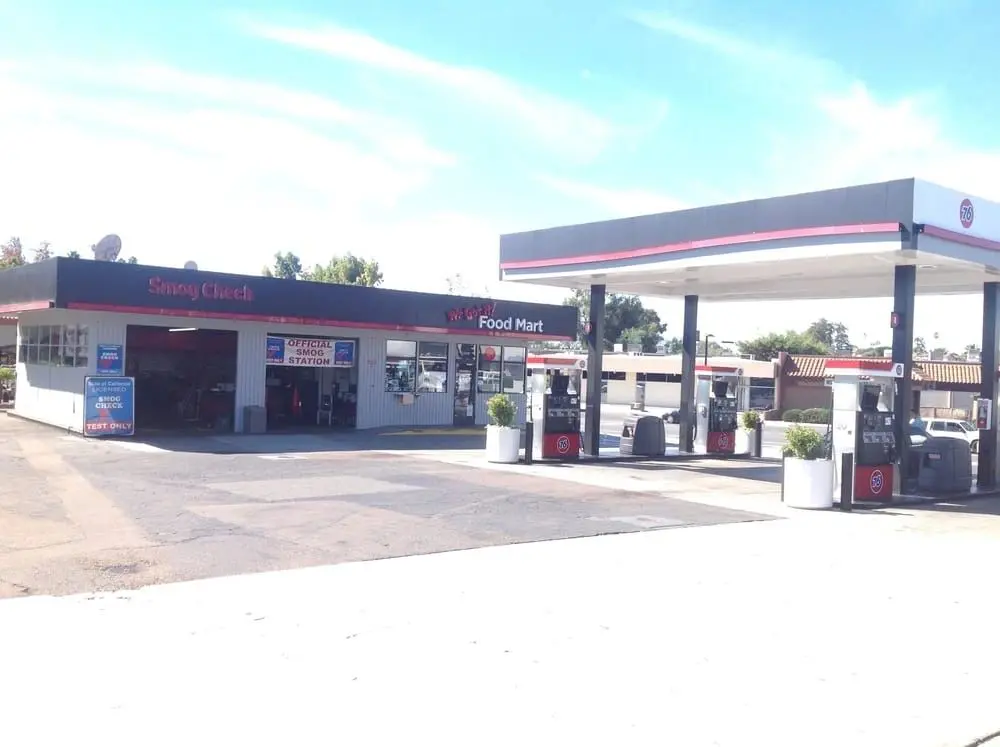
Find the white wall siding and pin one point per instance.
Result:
(251, 370)
(378, 408)
(52, 394)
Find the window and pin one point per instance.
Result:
(400, 365)
(54, 345)
(513, 370)
(432, 367)
(488, 370)
(501, 369)
(937, 426)
(967, 427)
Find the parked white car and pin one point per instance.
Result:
(948, 428)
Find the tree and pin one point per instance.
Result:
(919, 348)
(673, 346)
(42, 252)
(714, 348)
(347, 270)
(73, 254)
(458, 286)
(768, 346)
(286, 266)
(11, 253)
(832, 334)
(623, 315)
(129, 261)
(875, 350)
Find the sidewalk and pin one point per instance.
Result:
(826, 631)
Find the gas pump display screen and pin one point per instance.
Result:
(562, 413)
(876, 438)
(722, 415)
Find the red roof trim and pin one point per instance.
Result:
(12, 308)
(961, 238)
(686, 246)
(199, 314)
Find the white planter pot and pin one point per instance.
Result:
(808, 483)
(745, 441)
(503, 445)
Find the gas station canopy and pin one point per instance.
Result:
(840, 243)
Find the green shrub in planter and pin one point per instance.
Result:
(7, 375)
(750, 419)
(802, 442)
(792, 416)
(818, 415)
(501, 410)
(771, 415)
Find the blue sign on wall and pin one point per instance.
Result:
(109, 406)
(110, 360)
(343, 353)
(275, 351)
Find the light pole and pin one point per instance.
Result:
(705, 343)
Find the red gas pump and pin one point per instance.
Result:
(716, 408)
(556, 386)
(864, 423)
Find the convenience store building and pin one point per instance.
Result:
(204, 347)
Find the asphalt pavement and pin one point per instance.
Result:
(90, 515)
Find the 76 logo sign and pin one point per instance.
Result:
(966, 213)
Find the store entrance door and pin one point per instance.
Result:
(465, 378)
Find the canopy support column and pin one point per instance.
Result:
(986, 476)
(595, 368)
(688, 362)
(904, 293)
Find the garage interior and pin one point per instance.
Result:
(300, 397)
(185, 377)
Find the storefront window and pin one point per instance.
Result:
(513, 370)
(490, 366)
(432, 367)
(54, 345)
(400, 365)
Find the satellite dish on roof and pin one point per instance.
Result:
(190, 265)
(107, 249)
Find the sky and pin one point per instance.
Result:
(417, 133)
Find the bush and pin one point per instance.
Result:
(818, 415)
(750, 419)
(792, 416)
(7, 375)
(772, 415)
(501, 410)
(803, 442)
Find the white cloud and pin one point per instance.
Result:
(771, 53)
(563, 125)
(613, 203)
(226, 176)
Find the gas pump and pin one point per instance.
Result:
(864, 424)
(556, 386)
(715, 400)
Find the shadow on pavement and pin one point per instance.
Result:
(311, 441)
(758, 470)
(985, 505)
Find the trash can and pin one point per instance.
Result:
(254, 419)
(945, 466)
(643, 436)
